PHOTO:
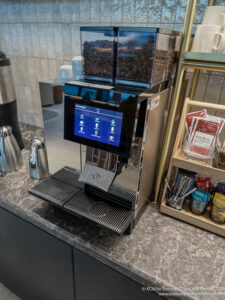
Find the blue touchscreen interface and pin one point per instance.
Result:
(98, 124)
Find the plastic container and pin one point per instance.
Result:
(65, 73)
(98, 46)
(146, 56)
(77, 67)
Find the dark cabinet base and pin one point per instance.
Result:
(96, 281)
(37, 266)
(34, 264)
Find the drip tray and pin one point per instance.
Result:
(54, 191)
(112, 217)
(64, 190)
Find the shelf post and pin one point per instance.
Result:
(189, 17)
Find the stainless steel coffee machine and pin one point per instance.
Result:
(117, 137)
(104, 140)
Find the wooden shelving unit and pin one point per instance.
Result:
(188, 60)
(180, 160)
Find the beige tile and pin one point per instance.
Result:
(50, 39)
(20, 41)
(31, 65)
(59, 63)
(45, 69)
(40, 10)
(85, 11)
(13, 38)
(58, 40)
(29, 10)
(52, 69)
(43, 46)
(117, 11)
(27, 39)
(35, 40)
(129, 11)
(65, 11)
(75, 11)
(103, 11)
(155, 12)
(76, 47)
(3, 16)
(141, 15)
(168, 14)
(67, 41)
(9, 11)
(34, 71)
(56, 17)
(20, 70)
(17, 14)
(48, 6)
(5, 39)
(96, 12)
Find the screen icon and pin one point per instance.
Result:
(81, 122)
(96, 125)
(82, 129)
(111, 138)
(113, 122)
(112, 129)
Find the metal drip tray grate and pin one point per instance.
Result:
(109, 216)
(98, 209)
(63, 189)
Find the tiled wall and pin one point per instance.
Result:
(41, 35)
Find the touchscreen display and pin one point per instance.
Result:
(98, 124)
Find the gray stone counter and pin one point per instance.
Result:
(161, 251)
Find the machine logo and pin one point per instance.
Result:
(96, 176)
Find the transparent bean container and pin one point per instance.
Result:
(98, 46)
(145, 56)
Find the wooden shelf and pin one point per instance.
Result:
(203, 221)
(180, 160)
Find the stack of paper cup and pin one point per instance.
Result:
(210, 35)
(65, 73)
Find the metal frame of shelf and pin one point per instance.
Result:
(192, 60)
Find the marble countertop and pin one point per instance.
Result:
(161, 252)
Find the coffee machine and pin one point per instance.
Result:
(119, 136)
(108, 130)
